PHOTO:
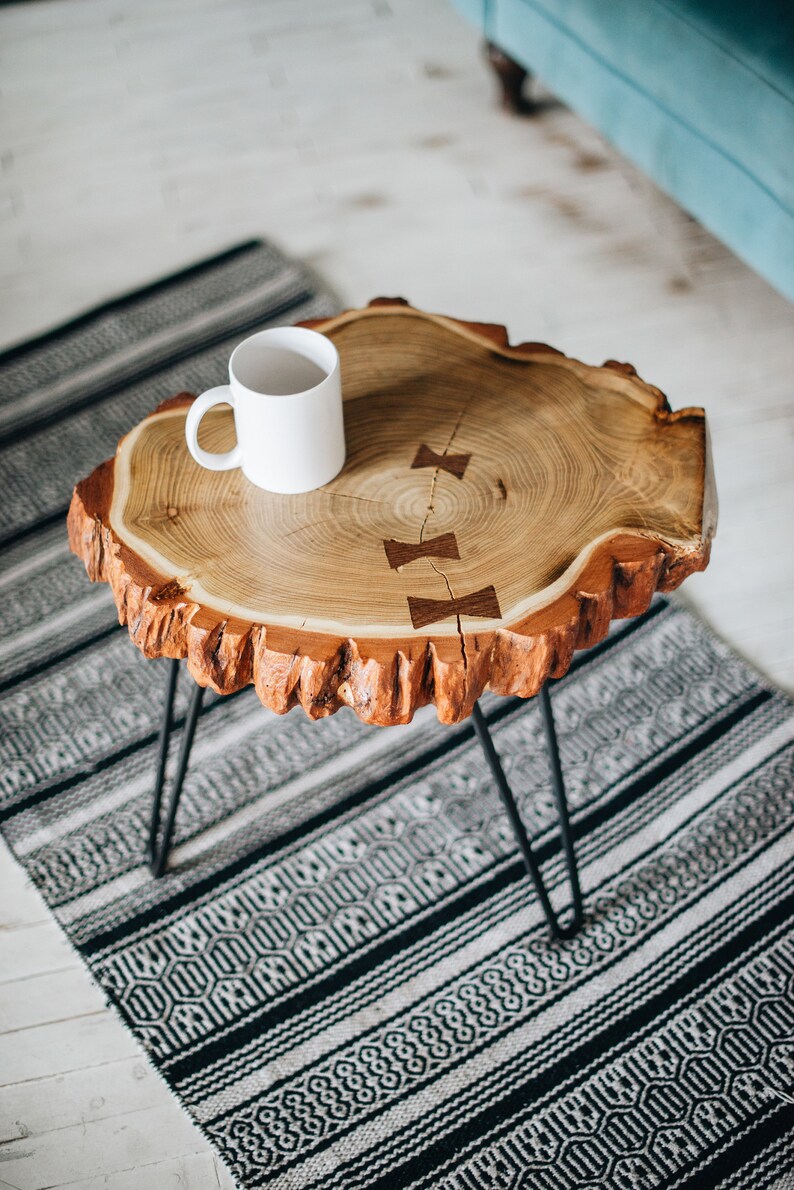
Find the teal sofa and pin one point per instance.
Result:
(698, 93)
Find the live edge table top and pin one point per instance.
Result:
(499, 505)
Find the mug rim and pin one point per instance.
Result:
(303, 334)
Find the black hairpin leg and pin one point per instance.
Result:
(157, 851)
(530, 861)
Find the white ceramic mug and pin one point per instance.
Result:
(286, 393)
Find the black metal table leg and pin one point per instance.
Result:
(160, 834)
(505, 792)
(157, 849)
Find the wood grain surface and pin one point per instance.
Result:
(499, 505)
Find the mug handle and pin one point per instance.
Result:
(206, 458)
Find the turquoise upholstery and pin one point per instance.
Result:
(699, 93)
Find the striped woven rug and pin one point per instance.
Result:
(344, 977)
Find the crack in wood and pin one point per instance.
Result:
(441, 574)
(462, 638)
(444, 454)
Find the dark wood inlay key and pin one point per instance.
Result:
(479, 603)
(401, 552)
(455, 464)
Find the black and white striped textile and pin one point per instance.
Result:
(345, 978)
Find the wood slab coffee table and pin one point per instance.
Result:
(499, 506)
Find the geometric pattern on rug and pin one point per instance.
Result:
(345, 977)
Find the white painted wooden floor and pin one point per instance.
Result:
(362, 136)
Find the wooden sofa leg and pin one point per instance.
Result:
(511, 78)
